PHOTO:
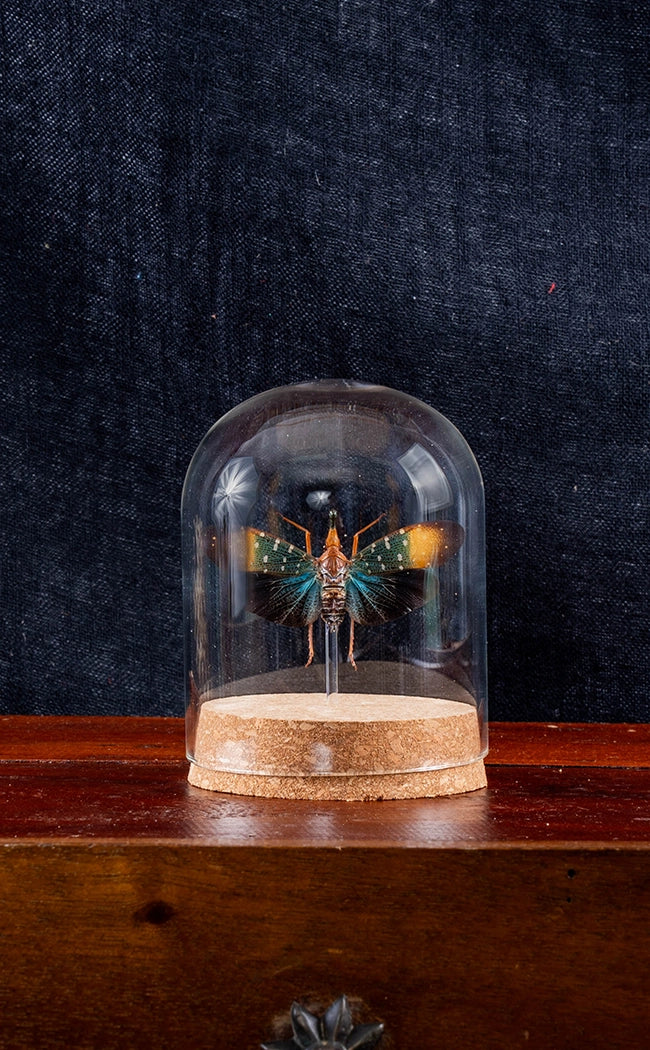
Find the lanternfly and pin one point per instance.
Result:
(386, 579)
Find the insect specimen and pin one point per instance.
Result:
(386, 579)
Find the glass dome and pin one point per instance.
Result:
(334, 598)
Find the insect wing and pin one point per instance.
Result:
(282, 582)
(391, 576)
(421, 546)
(375, 599)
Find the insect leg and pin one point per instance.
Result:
(310, 637)
(355, 538)
(351, 645)
(302, 529)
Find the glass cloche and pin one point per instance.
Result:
(334, 598)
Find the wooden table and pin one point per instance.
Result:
(138, 911)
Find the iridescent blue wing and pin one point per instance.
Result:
(282, 583)
(372, 599)
(391, 576)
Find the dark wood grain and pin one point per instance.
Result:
(136, 910)
(165, 946)
(50, 739)
(43, 738)
(578, 744)
(126, 778)
(542, 806)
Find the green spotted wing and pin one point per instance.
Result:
(282, 580)
(390, 577)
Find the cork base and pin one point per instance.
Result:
(353, 746)
(428, 784)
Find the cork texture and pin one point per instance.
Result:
(428, 784)
(352, 746)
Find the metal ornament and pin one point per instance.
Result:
(333, 1031)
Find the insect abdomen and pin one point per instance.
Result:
(333, 599)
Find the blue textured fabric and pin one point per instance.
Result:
(205, 200)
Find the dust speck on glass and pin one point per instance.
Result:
(333, 543)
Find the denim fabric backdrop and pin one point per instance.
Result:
(204, 200)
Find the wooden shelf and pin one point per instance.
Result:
(140, 911)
